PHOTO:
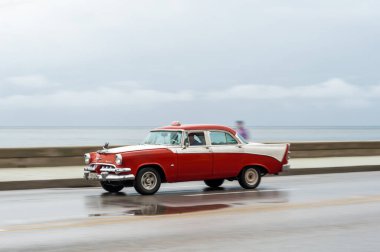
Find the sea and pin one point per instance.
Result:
(17, 137)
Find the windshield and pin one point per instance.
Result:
(164, 138)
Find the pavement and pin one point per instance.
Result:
(71, 176)
(319, 212)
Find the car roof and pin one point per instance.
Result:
(198, 127)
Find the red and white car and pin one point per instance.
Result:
(178, 153)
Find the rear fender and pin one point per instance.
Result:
(263, 170)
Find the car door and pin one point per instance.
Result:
(227, 154)
(195, 158)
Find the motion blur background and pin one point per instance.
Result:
(274, 64)
(85, 72)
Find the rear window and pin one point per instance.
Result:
(221, 138)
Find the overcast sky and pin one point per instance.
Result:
(95, 62)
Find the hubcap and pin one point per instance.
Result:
(149, 180)
(251, 176)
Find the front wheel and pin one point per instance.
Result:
(111, 187)
(214, 183)
(148, 181)
(249, 178)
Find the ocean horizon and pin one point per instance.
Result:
(57, 136)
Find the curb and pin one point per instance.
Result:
(327, 170)
(79, 182)
(41, 184)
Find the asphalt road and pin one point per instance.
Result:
(331, 212)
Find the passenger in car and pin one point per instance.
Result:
(194, 139)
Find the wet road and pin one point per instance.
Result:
(334, 212)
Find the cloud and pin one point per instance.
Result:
(333, 90)
(132, 95)
(97, 97)
(28, 81)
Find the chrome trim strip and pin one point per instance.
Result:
(110, 168)
(90, 168)
(105, 164)
(118, 178)
(115, 170)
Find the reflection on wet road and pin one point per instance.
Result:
(190, 216)
(179, 202)
(65, 204)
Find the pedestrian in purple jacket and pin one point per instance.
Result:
(242, 130)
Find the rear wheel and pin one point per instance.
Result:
(214, 183)
(250, 178)
(112, 187)
(148, 181)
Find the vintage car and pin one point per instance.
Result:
(177, 153)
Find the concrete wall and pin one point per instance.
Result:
(43, 157)
(72, 156)
(334, 149)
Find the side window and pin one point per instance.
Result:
(196, 138)
(221, 138)
(230, 139)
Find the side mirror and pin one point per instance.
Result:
(106, 145)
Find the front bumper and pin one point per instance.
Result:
(107, 173)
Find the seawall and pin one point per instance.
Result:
(73, 156)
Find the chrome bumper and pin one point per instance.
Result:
(108, 177)
(286, 167)
(90, 174)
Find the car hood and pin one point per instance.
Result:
(132, 148)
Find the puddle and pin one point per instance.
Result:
(161, 209)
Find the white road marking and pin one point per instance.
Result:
(3, 230)
(247, 191)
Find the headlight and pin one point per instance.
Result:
(118, 159)
(87, 158)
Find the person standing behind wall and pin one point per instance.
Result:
(242, 130)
